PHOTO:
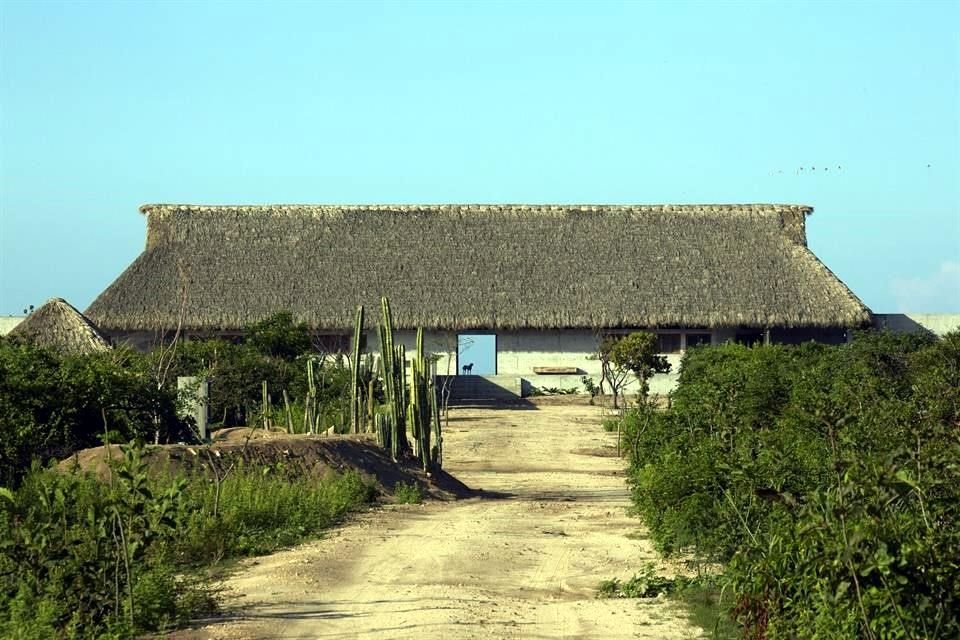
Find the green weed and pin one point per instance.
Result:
(82, 560)
(644, 584)
(405, 493)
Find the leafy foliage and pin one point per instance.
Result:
(637, 353)
(279, 337)
(52, 405)
(236, 371)
(634, 354)
(405, 493)
(646, 583)
(79, 551)
(826, 477)
(80, 559)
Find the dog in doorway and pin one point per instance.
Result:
(467, 369)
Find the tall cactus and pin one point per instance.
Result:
(436, 453)
(310, 404)
(422, 411)
(355, 408)
(415, 409)
(393, 381)
(401, 386)
(423, 408)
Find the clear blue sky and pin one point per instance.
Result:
(850, 107)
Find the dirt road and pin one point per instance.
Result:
(523, 563)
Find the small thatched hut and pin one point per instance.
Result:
(57, 325)
(516, 290)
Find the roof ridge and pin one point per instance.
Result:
(481, 207)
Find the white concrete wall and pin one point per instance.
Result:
(441, 344)
(518, 352)
(7, 323)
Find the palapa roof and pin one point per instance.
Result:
(478, 266)
(57, 325)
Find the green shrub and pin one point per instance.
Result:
(405, 493)
(826, 477)
(260, 511)
(280, 337)
(52, 405)
(644, 584)
(236, 372)
(86, 559)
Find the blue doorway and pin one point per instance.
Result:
(477, 354)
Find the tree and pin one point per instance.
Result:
(610, 373)
(635, 353)
(280, 337)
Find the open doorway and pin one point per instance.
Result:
(477, 354)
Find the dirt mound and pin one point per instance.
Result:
(291, 455)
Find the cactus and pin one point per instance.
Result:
(422, 413)
(265, 406)
(400, 364)
(310, 405)
(415, 408)
(436, 453)
(422, 410)
(289, 414)
(370, 399)
(392, 381)
(381, 422)
(355, 413)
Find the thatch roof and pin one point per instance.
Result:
(478, 266)
(59, 326)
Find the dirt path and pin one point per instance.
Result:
(522, 565)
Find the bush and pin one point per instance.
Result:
(52, 405)
(825, 476)
(644, 584)
(81, 551)
(260, 510)
(280, 337)
(80, 559)
(236, 372)
(405, 493)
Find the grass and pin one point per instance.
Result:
(702, 603)
(699, 596)
(405, 493)
(260, 511)
(63, 569)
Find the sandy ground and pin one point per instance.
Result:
(524, 561)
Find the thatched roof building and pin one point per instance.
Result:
(479, 266)
(57, 325)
